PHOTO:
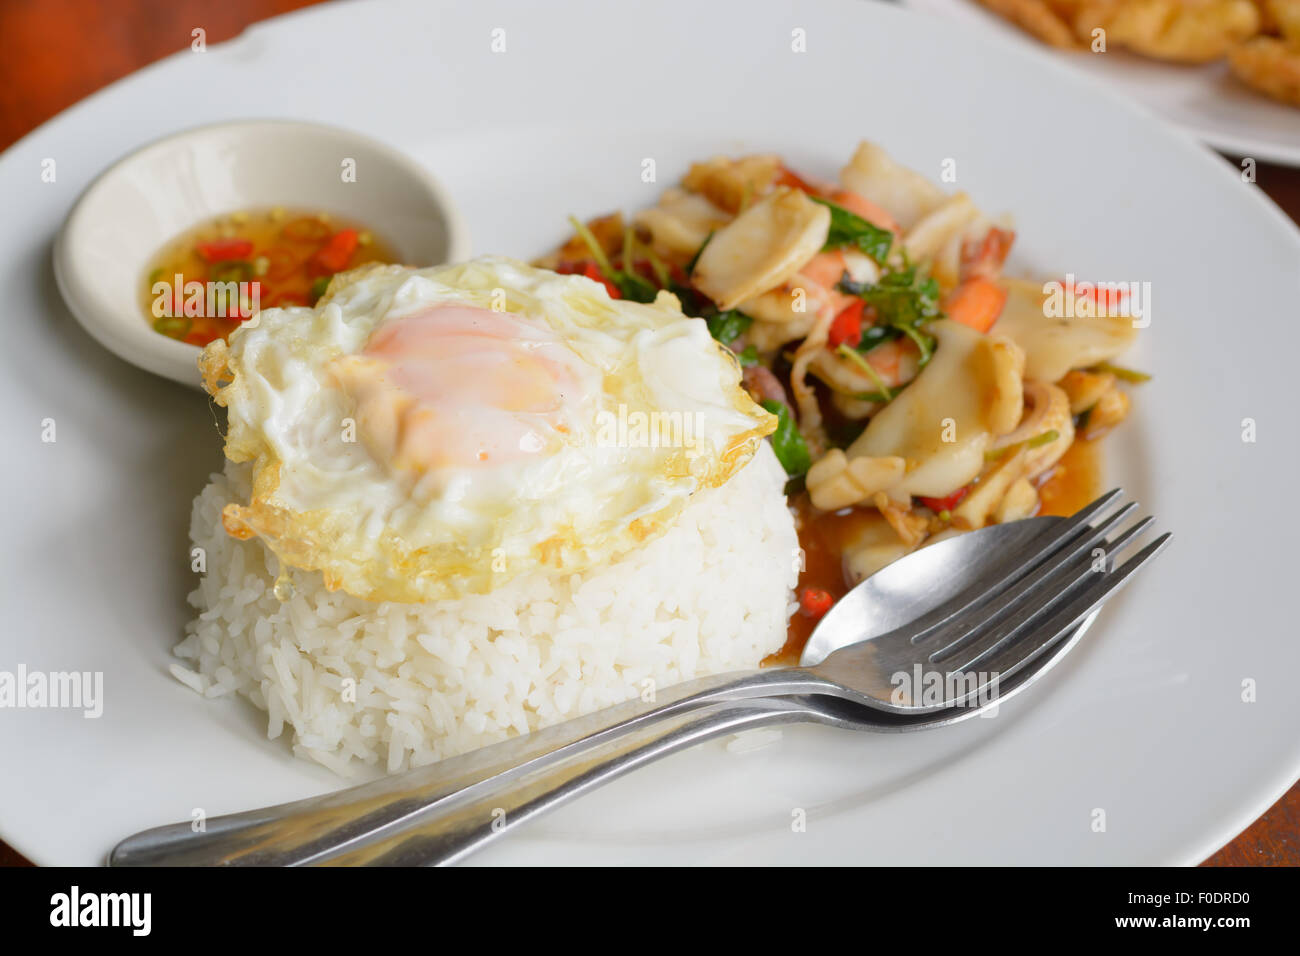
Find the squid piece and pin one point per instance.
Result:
(960, 241)
(910, 528)
(904, 193)
(731, 183)
(996, 480)
(1047, 409)
(872, 545)
(762, 248)
(1111, 409)
(1053, 345)
(1020, 501)
(788, 313)
(1085, 389)
(681, 222)
(945, 420)
(836, 481)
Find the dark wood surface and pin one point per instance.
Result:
(55, 52)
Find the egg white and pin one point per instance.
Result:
(323, 498)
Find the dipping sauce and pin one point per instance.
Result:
(208, 280)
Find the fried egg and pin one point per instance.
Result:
(428, 433)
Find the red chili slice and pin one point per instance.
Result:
(945, 504)
(815, 602)
(219, 250)
(334, 255)
(846, 328)
(591, 271)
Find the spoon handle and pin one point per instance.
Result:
(306, 830)
(455, 829)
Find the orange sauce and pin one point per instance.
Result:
(271, 257)
(1073, 483)
(823, 536)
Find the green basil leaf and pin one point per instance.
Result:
(728, 326)
(690, 266)
(633, 287)
(788, 444)
(850, 229)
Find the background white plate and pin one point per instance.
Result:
(1144, 721)
(1207, 101)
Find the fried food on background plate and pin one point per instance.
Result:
(1269, 65)
(1259, 38)
(1184, 31)
(1280, 17)
(1037, 17)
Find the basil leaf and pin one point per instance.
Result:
(850, 229)
(903, 302)
(728, 326)
(690, 266)
(748, 356)
(788, 444)
(633, 287)
(874, 335)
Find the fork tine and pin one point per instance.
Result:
(1001, 626)
(956, 635)
(1022, 653)
(1055, 538)
(1120, 544)
(1035, 625)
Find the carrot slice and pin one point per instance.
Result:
(977, 302)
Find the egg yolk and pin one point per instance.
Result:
(459, 385)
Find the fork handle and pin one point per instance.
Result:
(305, 830)
(453, 830)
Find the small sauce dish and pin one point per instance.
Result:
(159, 192)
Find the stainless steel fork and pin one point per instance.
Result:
(985, 608)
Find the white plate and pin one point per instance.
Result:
(1207, 101)
(1144, 721)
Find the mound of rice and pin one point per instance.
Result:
(400, 685)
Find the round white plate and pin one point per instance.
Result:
(1144, 723)
(1207, 100)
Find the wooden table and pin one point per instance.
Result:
(55, 52)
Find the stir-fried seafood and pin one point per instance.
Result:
(913, 380)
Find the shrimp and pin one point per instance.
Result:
(860, 205)
(789, 311)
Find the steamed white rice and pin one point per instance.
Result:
(399, 685)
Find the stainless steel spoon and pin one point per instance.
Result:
(982, 607)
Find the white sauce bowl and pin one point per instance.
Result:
(125, 217)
